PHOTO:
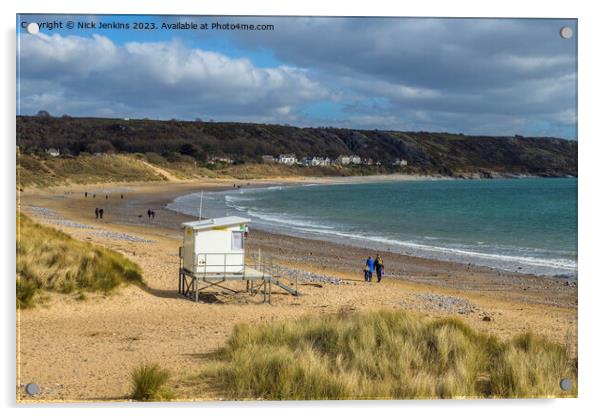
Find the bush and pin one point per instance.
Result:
(100, 146)
(385, 355)
(148, 383)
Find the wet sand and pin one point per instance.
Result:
(84, 350)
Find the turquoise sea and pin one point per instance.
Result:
(524, 225)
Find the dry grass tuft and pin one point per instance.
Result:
(148, 383)
(385, 355)
(36, 171)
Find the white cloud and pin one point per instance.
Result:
(156, 79)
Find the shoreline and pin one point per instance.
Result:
(116, 332)
(439, 253)
(170, 220)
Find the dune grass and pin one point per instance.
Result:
(384, 355)
(148, 383)
(41, 171)
(48, 259)
(51, 171)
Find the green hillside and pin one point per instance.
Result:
(430, 153)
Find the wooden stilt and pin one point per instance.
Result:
(196, 290)
(191, 285)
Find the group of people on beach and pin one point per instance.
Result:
(374, 265)
(94, 195)
(99, 212)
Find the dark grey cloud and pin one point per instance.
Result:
(519, 72)
(428, 53)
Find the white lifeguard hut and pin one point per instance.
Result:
(213, 253)
(215, 245)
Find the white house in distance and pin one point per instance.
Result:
(287, 159)
(400, 162)
(343, 160)
(53, 152)
(355, 159)
(214, 246)
(316, 161)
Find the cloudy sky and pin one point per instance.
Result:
(475, 76)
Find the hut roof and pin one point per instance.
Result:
(215, 222)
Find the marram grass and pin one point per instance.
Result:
(148, 383)
(385, 355)
(48, 259)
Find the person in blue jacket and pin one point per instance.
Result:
(370, 267)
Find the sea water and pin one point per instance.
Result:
(522, 225)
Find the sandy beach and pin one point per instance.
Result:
(84, 350)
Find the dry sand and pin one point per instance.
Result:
(84, 350)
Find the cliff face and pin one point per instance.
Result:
(432, 153)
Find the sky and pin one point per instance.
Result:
(473, 76)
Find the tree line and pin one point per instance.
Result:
(445, 153)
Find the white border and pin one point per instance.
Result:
(590, 152)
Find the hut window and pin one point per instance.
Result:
(237, 240)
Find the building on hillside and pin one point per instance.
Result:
(343, 160)
(368, 161)
(400, 162)
(287, 159)
(268, 159)
(316, 161)
(355, 160)
(53, 152)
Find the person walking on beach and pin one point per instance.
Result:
(101, 212)
(153, 214)
(380, 267)
(86, 194)
(370, 266)
(96, 211)
(149, 214)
